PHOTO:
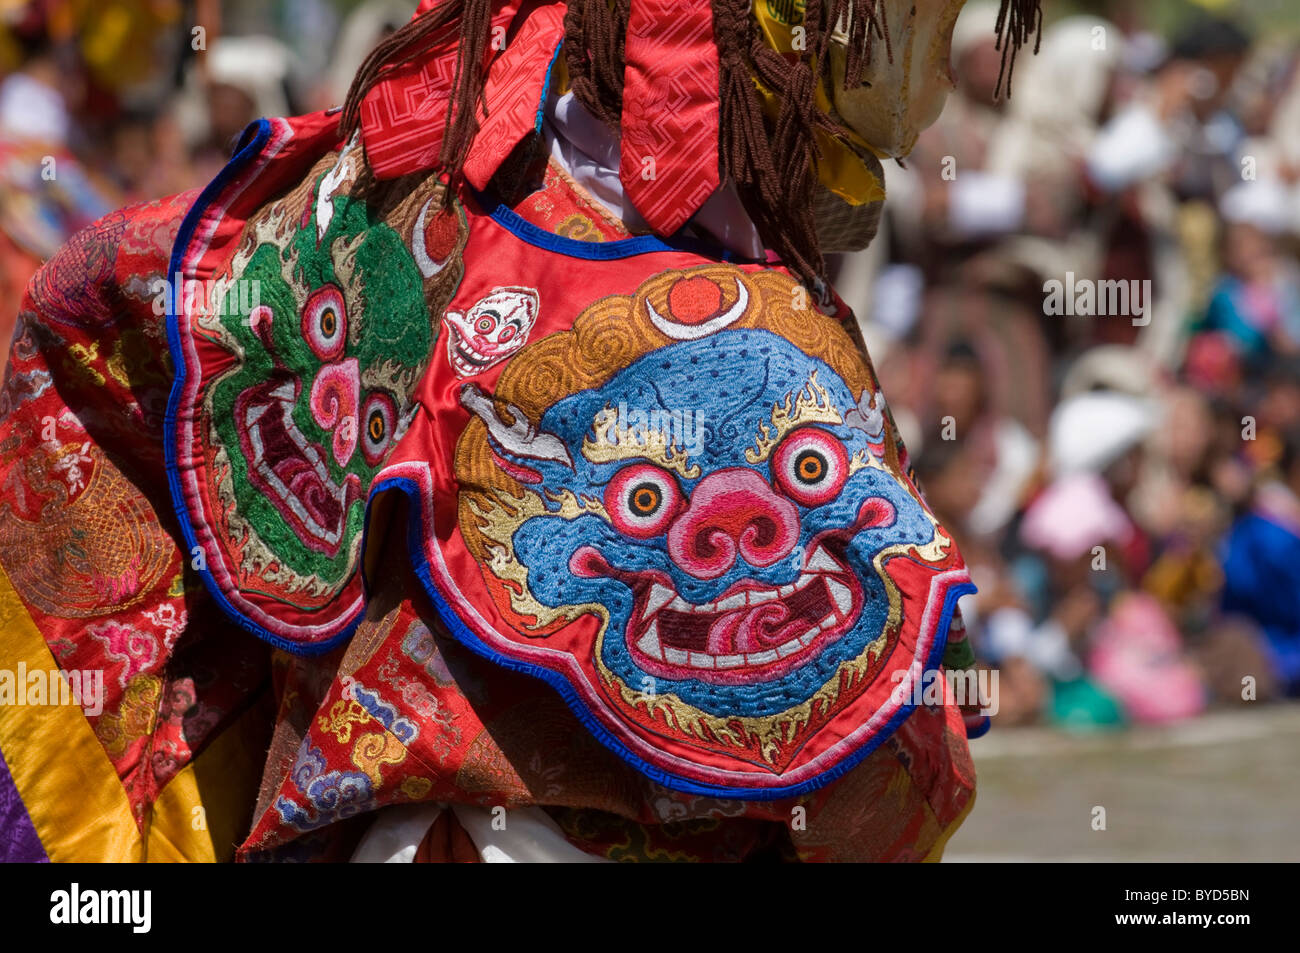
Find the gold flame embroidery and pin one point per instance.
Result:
(811, 404)
(649, 443)
(499, 524)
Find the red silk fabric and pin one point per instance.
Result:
(404, 117)
(669, 152)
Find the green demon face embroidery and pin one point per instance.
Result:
(323, 370)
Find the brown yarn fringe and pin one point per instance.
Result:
(594, 33)
(771, 162)
(1018, 20)
(472, 20)
(865, 21)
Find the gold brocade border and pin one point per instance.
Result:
(936, 852)
(71, 790)
(68, 785)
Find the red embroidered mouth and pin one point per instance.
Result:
(290, 470)
(466, 361)
(752, 632)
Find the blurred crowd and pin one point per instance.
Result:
(1125, 487)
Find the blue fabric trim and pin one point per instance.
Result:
(526, 231)
(538, 237)
(980, 730)
(251, 144)
(417, 532)
(546, 88)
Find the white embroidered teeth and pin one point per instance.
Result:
(286, 477)
(649, 644)
(662, 599)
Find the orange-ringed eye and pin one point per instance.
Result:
(645, 499)
(810, 466)
(380, 416)
(642, 500)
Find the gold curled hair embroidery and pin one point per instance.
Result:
(499, 522)
(809, 405)
(390, 376)
(344, 255)
(649, 442)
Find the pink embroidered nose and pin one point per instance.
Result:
(732, 512)
(335, 394)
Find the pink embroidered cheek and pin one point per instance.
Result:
(587, 563)
(335, 394)
(733, 512)
(875, 513)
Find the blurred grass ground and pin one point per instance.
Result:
(1225, 787)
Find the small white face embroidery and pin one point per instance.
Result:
(489, 332)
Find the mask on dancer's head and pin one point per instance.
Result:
(903, 93)
(901, 54)
(904, 48)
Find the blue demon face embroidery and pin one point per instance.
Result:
(719, 502)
